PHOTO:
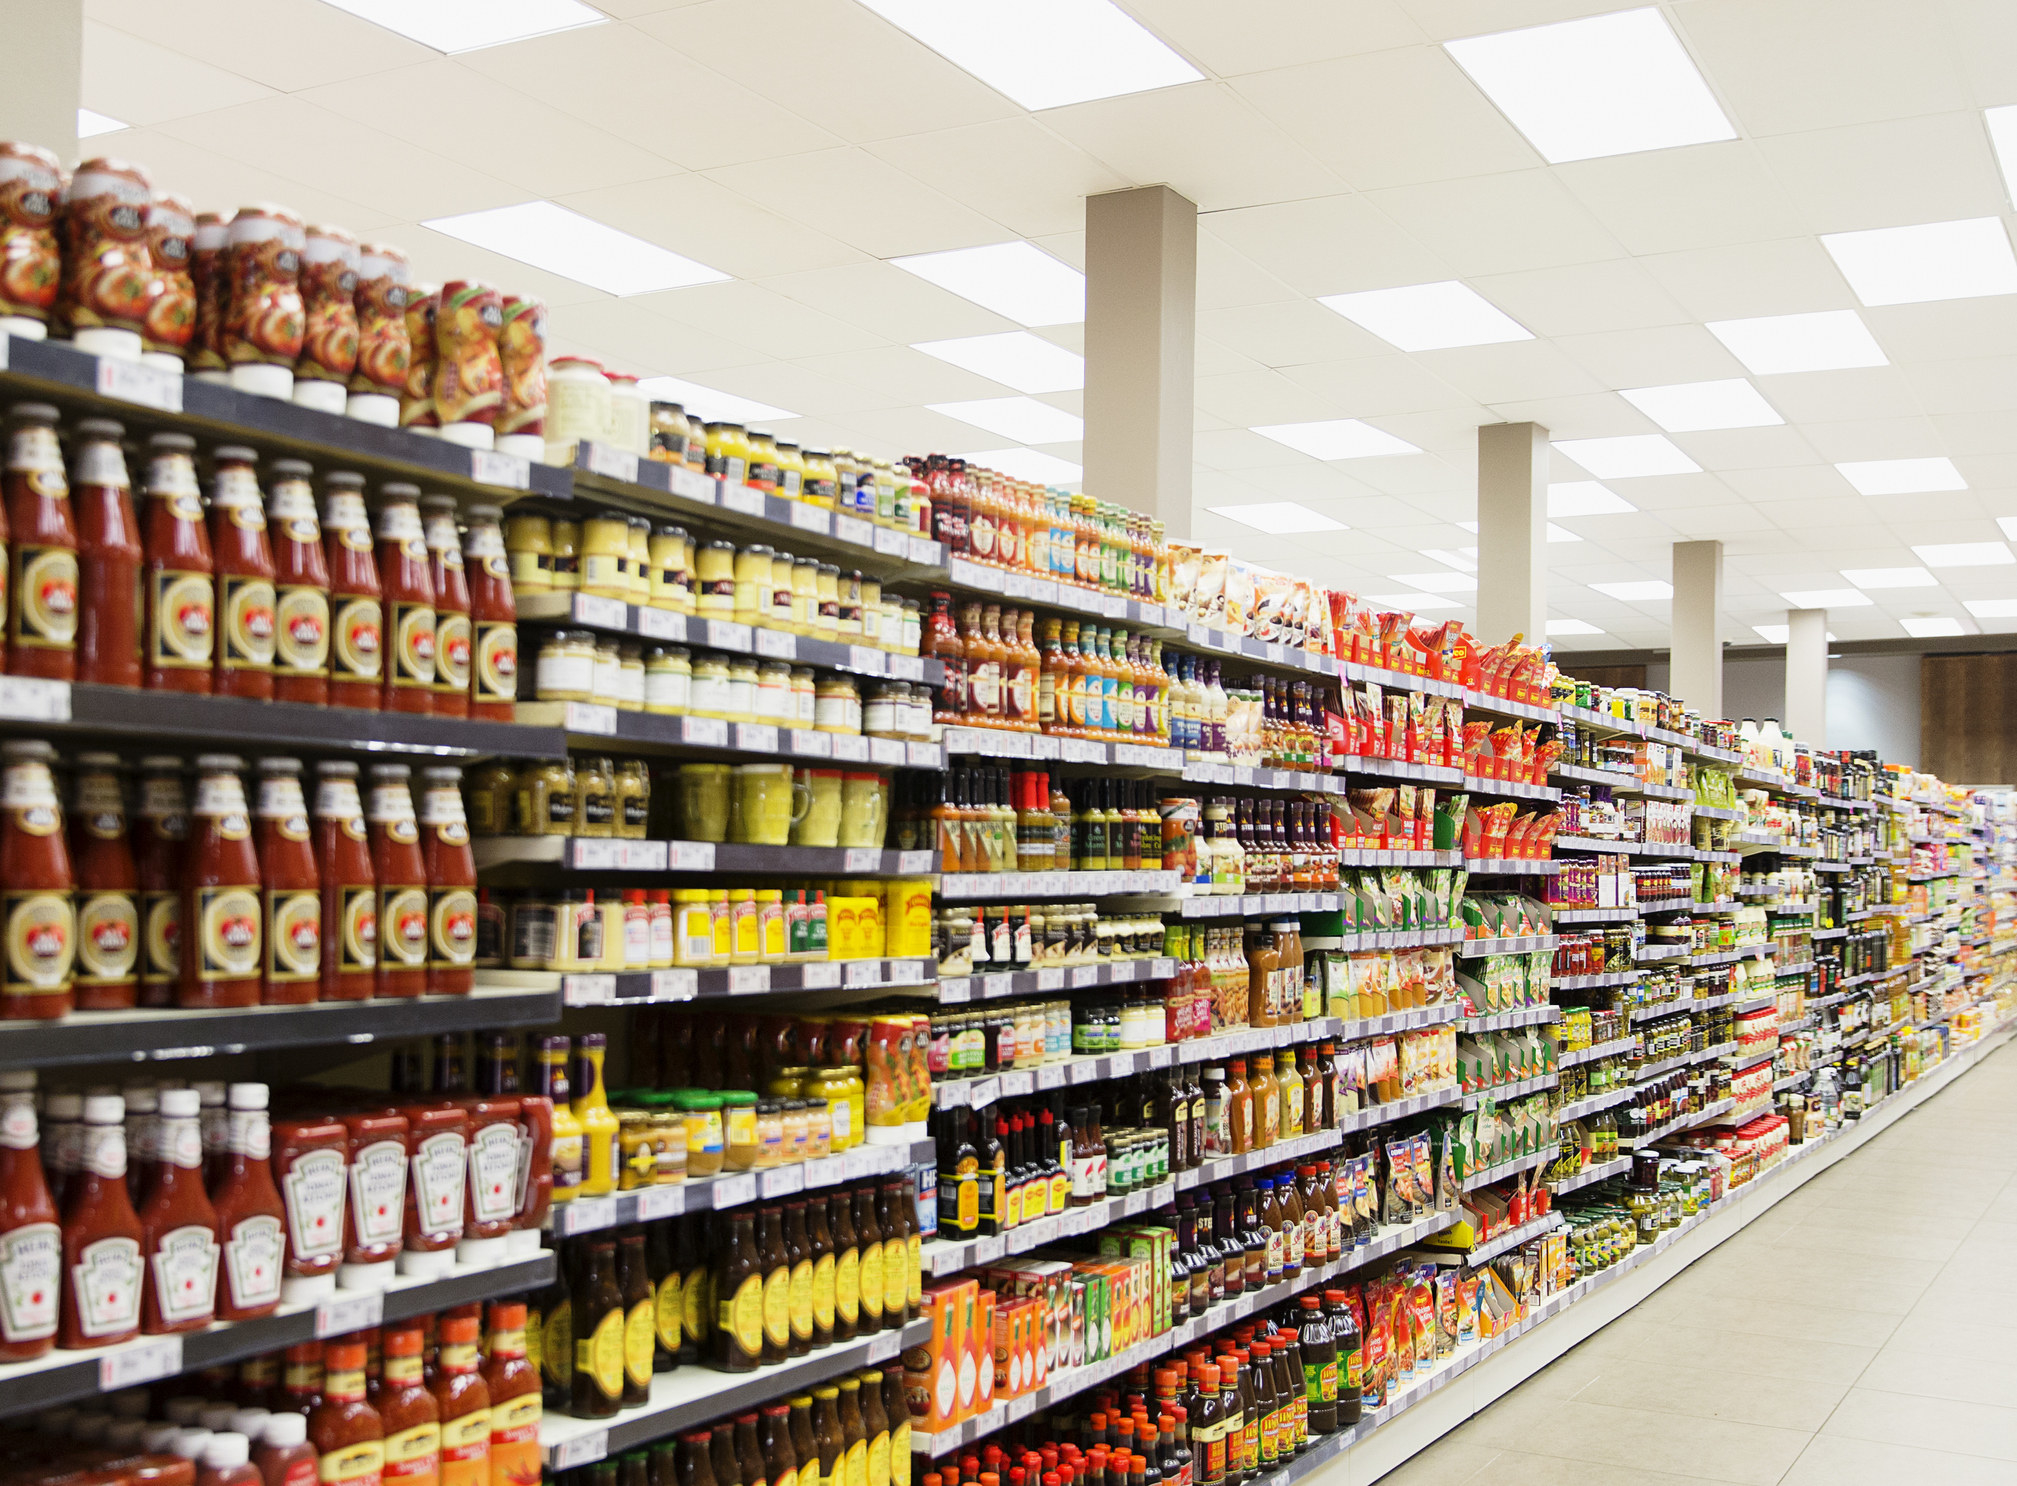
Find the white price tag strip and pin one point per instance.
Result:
(756, 737)
(776, 644)
(342, 1314)
(145, 1363)
(850, 746)
(733, 1191)
(862, 859)
(615, 464)
(660, 1202)
(656, 624)
(129, 381)
(820, 975)
(583, 1449)
(26, 699)
(811, 518)
(744, 980)
(742, 498)
(689, 856)
(707, 732)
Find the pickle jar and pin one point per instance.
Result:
(668, 681)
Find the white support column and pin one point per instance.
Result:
(45, 61)
(1512, 532)
(1141, 344)
(1696, 648)
(1807, 676)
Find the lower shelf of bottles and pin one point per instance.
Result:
(1616, 1047)
(1511, 1238)
(61, 1377)
(964, 887)
(733, 1189)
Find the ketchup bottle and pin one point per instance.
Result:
(291, 888)
(451, 885)
(181, 595)
(493, 614)
(41, 925)
(31, 1278)
(102, 1273)
(245, 593)
(451, 606)
(300, 587)
(42, 590)
(221, 917)
(250, 1215)
(159, 843)
(108, 556)
(401, 870)
(409, 601)
(108, 908)
(349, 885)
(179, 1226)
(357, 617)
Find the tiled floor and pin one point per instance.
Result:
(1855, 1334)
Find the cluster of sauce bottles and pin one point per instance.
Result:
(1083, 680)
(210, 903)
(257, 597)
(988, 517)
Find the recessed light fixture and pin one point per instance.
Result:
(1826, 340)
(1278, 518)
(2002, 124)
(1428, 317)
(1902, 476)
(1412, 603)
(1965, 555)
(468, 25)
(1692, 407)
(1890, 577)
(1028, 464)
(1637, 591)
(2009, 526)
(565, 242)
(1827, 598)
(709, 405)
(1043, 53)
(1585, 498)
(1931, 626)
(1015, 358)
(1438, 582)
(1561, 534)
(1453, 558)
(1557, 628)
(1606, 85)
(1023, 419)
(1773, 634)
(1336, 438)
(1018, 280)
(1937, 260)
(1629, 456)
(1991, 608)
(90, 125)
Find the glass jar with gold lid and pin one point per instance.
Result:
(727, 452)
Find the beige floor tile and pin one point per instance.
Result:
(1910, 1225)
(1812, 1316)
(1744, 1353)
(1959, 1342)
(1952, 1424)
(1823, 1241)
(1709, 1393)
(1932, 1375)
(1713, 1449)
(1523, 1468)
(1451, 1461)
(1835, 1460)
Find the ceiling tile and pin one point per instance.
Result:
(1697, 523)
(765, 320)
(1013, 170)
(1612, 294)
(1855, 392)
(216, 182)
(1667, 201)
(1321, 29)
(1790, 482)
(1593, 415)
(1747, 448)
(1291, 333)
(899, 305)
(1653, 357)
(1499, 223)
(877, 208)
(1786, 276)
(142, 82)
(1211, 359)
(1372, 386)
(627, 338)
(1516, 369)
(1329, 245)
(1977, 433)
(1227, 278)
(1448, 20)
(1958, 328)
(1907, 437)
(283, 44)
(700, 217)
(1933, 169)
(1262, 397)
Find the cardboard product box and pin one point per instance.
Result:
(1048, 1282)
(981, 1350)
(1072, 1349)
(933, 1383)
(1097, 1288)
(1151, 1243)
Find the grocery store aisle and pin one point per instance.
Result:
(1849, 1335)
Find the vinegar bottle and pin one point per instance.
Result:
(181, 594)
(300, 586)
(245, 574)
(357, 613)
(409, 601)
(401, 871)
(108, 911)
(222, 936)
(109, 555)
(349, 886)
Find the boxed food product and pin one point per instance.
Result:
(934, 1383)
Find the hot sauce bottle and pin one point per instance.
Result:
(250, 1214)
(108, 556)
(160, 840)
(464, 1401)
(451, 885)
(401, 870)
(348, 1436)
(108, 913)
(493, 616)
(349, 886)
(221, 909)
(300, 586)
(103, 1276)
(179, 1225)
(357, 615)
(181, 594)
(409, 601)
(406, 1406)
(246, 602)
(42, 598)
(515, 1406)
(31, 1240)
(41, 924)
(452, 636)
(291, 888)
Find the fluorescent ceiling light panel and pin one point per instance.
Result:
(1557, 628)
(1965, 555)
(1608, 85)
(1023, 419)
(1017, 280)
(467, 25)
(1412, 603)
(1029, 464)
(1015, 358)
(1438, 582)
(1638, 591)
(1992, 608)
(1278, 518)
(1629, 456)
(1931, 626)
(1336, 438)
(1890, 577)
(1561, 534)
(1429, 317)
(2002, 124)
(1773, 634)
(1827, 340)
(1902, 476)
(2009, 526)
(1452, 557)
(1827, 598)
(1938, 260)
(90, 125)
(564, 242)
(1692, 407)
(1585, 498)
(709, 405)
(1043, 53)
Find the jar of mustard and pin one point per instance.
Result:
(668, 1130)
(565, 669)
(670, 432)
(837, 706)
(745, 944)
(790, 470)
(871, 611)
(706, 1135)
(913, 628)
(639, 571)
(795, 1141)
(788, 1083)
(774, 703)
(709, 696)
(885, 493)
(633, 799)
(770, 927)
(714, 571)
(831, 1087)
(630, 677)
(848, 621)
(752, 584)
(804, 594)
(605, 555)
(738, 1121)
(769, 1133)
(488, 789)
(778, 614)
(543, 803)
(668, 681)
(692, 929)
(528, 545)
(818, 1129)
(566, 554)
(805, 696)
(819, 479)
(879, 715)
(727, 452)
(742, 677)
(762, 462)
(595, 798)
(636, 1151)
(608, 672)
(671, 572)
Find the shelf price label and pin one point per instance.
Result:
(745, 980)
(656, 624)
(583, 1449)
(744, 498)
(811, 518)
(614, 464)
(346, 1313)
(854, 530)
(144, 1362)
(146, 386)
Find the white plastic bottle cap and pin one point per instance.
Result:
(104, 1109)
(227, 1451)
(189, 1443)
(185, 1409)
(216, 1416)
(181, 1104)
(284, 1431)
(248, 1096)
(250, 1422)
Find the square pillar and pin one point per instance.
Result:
(1141, 350)
(1512, 532)
(1807, 676)
(1696, 653)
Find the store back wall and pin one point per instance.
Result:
(1873, 700)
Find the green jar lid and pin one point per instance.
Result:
(695, 1099)
(735, 1098)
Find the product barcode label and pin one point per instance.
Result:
(690, 484)
(820, 975)
(583, 1449)
(906, 667)
(590, 856)
(706, 732)
(660, 1202)
(690, 856)
(850, 746)
(726, 634)
(26, 699)
(888, 541)
(733, 1191)
(509, 471)
(590, 717)
(886, 750)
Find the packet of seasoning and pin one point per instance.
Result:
(106, 267)
(469, 372)
(521, 345)
(31, 260)
(378, 378)
(329, 309)
(171, 298)
(1425, 1175)
(416, 399)
(208, 276)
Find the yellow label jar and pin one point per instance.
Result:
(745, 945)
(774, 703)
(565, 669)
(770, 925)
(671, 572)
(668, 681)
(837, 706)
(727, 452)
(566, 554)
(528, 544)
(706, 1139)
(819, 479)
(762, 473)
(848, 620)
(826, 619)
(714, 571)
(692, 929)
(804, 595)
(790, 470)
(871, 611)
(605, 555)
(742, 678)
(778, 614)
(639, 571)
(805, 696)
(709, 696)
(630, 677)
(738, 1120)
(752, 584)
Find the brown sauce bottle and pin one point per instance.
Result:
(738, 1296)
(821, 1238)
(798, 1251)
(776, 1263)
(869, 1234)
(846, 1272)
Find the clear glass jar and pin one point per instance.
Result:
(774, 702)
(752, 583)
(879, 713)
(668, 681)
(848, 619)
(871, 612)
(913, 627)
(709, 696)
(630, 678)
(837, 706)
(804, 595)
(826, 619)
(742, 681)
(565, 670)
(714, 574)
(608, 672)
(805, 696)
(671, 577)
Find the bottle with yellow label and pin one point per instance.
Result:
(464, 1400)
(798, 1249)
(776, 1263)
(411, 1417)
(598, 1124)
(873, 1251)
(875, 1424)
(549, 1077)
(640, 1318)
(668, 1284)
(854, 1434)
(598, 1326)
(359, 1460)
(847, 1269)
(738, 1297)
(515, 1404)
